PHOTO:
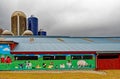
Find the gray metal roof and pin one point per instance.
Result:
(57, 43)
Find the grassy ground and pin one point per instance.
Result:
(107, 74)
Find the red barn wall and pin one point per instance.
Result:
(108, 63)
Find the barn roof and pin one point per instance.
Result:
(64, 43)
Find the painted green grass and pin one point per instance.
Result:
(15, 64)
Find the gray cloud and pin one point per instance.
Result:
(68, 17)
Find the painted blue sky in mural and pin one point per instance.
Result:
(4, 49)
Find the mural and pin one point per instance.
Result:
(47, 62)
(4, 48)
(43, 61)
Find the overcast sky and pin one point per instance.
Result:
(67, 17)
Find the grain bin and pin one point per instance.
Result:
(33, 24)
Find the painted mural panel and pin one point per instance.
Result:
(4, 49)
(47, 62)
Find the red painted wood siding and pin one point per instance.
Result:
(105, 64)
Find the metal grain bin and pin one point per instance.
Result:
(33, 24)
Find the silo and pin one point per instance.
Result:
(42, 33)
(33, 24)
(18, 23)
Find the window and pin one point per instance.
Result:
(60, 57)
(26, 57)
(48, 57)
(54, 57)
(88, 57)
(76, 57)
(107, 56)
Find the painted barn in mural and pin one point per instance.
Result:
(59, 53)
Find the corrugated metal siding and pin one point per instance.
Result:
(65, 44)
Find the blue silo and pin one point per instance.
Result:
(33, 24)
(42, 33)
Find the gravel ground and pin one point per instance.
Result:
(61, 74)
(57, 71)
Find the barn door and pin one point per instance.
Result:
(108, 61)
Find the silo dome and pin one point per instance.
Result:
(18, 13)
(6, 32)
(27, 33)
